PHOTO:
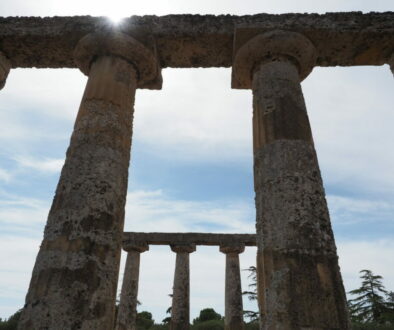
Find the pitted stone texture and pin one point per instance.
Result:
(119, 44)
(127, 313)
(5, 66)
(341, 39)
(210, 239)
(272, 46)
(233, 290)
(279, 110)
(292, 214)
(183, 248)
(232, 248)
(137, 246)
(180, 312)
(303, 292)
(300, 286)
(74, 280)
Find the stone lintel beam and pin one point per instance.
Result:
(5, 66)
(341, 39)
(191, 238)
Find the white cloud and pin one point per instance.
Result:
(155, 211)
(25, 216)
(350, 111)
(351, 210)
(47, 165)
(5, 175)
(375, 255)
(196, 117)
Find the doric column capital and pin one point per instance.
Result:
(232, 248)
(182, 248)
(97, 44)
(136, 246)
(5, 66)
(271, 46)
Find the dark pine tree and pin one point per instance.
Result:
(370, 305)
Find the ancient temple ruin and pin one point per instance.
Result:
(75, 276)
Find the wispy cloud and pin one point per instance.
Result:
(156, 211)
(351, 210)
(47, 165)
(5, 175)
(22, 215)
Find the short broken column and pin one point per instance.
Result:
(5, 66)
(180, 312)
(127, 312)
(233, 290)
(75, 276)
(300, 285)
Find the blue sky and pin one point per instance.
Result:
(191, 166)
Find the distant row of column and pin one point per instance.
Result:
(74, 280)
(180, 309)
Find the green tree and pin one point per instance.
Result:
(209, 325)
(207, 314)
(370, 304)
(12, 322)
(144, 320)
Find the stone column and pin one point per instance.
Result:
(302, 286)
(5, 66)
(233, 291)
(127, 313)
(75, 276)
(180, 312)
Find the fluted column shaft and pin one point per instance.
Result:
(127, 313)
(233, 290)
(300, 286)
(180, 312)
(75, 276)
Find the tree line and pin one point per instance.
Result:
(371, 308)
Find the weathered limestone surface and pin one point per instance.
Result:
(5, 66)
(187, 238)
(300, 283)
(344, 39)
(233, 290)
(127, 313)
(74, 280)
(180, 312)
